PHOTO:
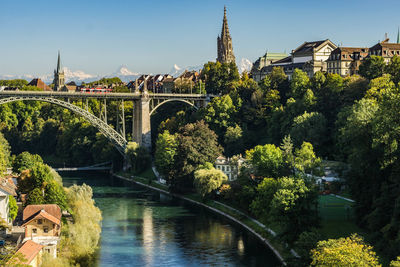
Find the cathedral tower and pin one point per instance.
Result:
(224, 42)
(59, 79)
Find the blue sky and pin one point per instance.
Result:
(151, 36)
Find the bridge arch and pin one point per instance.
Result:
(118, 140)
(172, 100)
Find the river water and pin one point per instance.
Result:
(144, 228)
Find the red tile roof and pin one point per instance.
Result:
(52, 209)
(29, 250)
(42, 215)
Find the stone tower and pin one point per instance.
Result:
(59, 79)
(224, 42)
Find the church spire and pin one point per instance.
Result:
(59, 78)
(59, 63)
(225, 28)
(224, 43)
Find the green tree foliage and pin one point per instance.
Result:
(55, 194)
(25, 161)
(299, 83)
(309, 127)
(14, 83)
(208, 179)
(166, 147)
(81, 238)
(393, 68)
(306, 161)
(35, 197)
(220, 114)
(12, 205)
(395, 263)
(197, 144)
(266, 160)
(289, 203)
(372, 67)
(4, 154)
(138, 157)
(349, 251)
(306, 242)
(218, 76)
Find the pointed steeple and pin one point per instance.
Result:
(59, 68)
(224, 43)
(225, 28)
(398, 35)
(59, 78)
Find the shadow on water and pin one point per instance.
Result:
(144, 228)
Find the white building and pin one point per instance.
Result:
(229, 166)
(7, 188)
(310, 57)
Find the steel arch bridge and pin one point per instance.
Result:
(145, 105)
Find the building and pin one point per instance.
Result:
(385, 49)
(40, 84)
(229, 166)
(224, 43)
(257, 71)
(59, 77)
(310, 57)
(71, 87)
(43, 225)
(346, 60)
(7, 189)
(186, 81)
(32, 253)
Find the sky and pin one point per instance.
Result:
(151, 36)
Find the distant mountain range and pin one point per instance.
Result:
(122, 72)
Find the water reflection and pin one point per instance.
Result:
(142, 228)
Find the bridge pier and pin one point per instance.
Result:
(141, 121)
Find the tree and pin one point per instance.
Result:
(218, 76)
(267, 160)
(372, 67)
(309, 127)
(299, 83)
(25, 161)
(349, 251)
(287, 202)
(13, 207)
(393, 68)
(220, 114)
(208, 179)
(197, 144)
(395, 263)
(306, 161)
(55, 194)
(35, 197)
(4, 154)
(233, 140)
(138, 157)
(166, 147)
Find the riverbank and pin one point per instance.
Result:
(266, 235)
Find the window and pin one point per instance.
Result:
(34, 230)
(47, 250)
(39, 221)
(223, 168)
(46, 229)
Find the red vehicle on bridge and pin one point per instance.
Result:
(96, 90)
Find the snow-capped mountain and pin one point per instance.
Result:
(244, 65)
(176, 70)
(124, 74)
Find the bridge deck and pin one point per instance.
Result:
(125, 96)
